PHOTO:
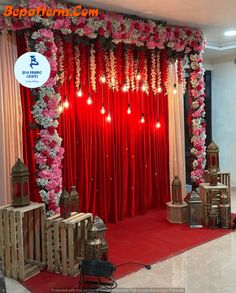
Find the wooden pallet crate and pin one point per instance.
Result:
(22, 240)
(65, 240)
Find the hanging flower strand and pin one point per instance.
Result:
(77, 66)
(107, 68)
(158, 64)
(93, 68)
(127, 76)
(153, 72)
(60, 59)
(114, 81)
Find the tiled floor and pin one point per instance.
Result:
(209, 268)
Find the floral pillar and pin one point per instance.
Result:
(198, 149)
(48, 150)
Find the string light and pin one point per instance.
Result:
(60, 108)
(142, 119)
(109, 117)
(138, 77)
(125, 88)
(89, 100)
(158, 124)
(159, 90)
(79, 93)
(103, 78)
(66, 104)
(175, 90)
(103, 111)
(129, 109)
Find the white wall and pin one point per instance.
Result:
(224, 115)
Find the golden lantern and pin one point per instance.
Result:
(20, 184)
(213, 157)
(101, 228)
(93, 244)
(225, 212)
(65, 205)
(74, 196)
(176, 191)
(194, 210)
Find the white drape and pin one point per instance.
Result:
(176, 129)
(10, 115)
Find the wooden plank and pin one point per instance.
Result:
(20, 245)
(25, 235)
(42, 226)
(73, 215)
(7, 244)
(37, 234)
(81, 218)
(63, 249)
(13, 245)
(49, 245)
(82, 238)
(31, 271)
(56, 245)
(71, 249)
(31, 234)
(2, 249)
(36, 263)
(30, 207)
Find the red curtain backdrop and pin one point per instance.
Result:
(119, 168)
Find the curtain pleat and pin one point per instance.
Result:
(10, 115)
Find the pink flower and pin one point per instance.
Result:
(50, 83)
(46, 33)
(35, 3)
(88, 30)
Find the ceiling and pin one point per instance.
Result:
(213, 17)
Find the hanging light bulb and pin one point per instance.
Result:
(79, 93)
(143, 87)
(103, 78)
(175, 90)
(138, 77)
(129, 109)
(158, 124)
(109, 117)
(60, 108)
(103, 111)
(66, 104)
(159, 90)
(89, 100)
(142, 119)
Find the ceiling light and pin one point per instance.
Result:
(230, 33)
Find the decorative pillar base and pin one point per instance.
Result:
(176, 213)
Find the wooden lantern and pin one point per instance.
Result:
(176, 191)
(20, 184)
(213, 157)
(213, 177)
(65, 205)
(74, 196)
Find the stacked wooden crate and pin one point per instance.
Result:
(65, 239)
(22, 240)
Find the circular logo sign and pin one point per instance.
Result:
(32, 69)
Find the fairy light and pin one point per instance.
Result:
(103, 111)
(109, 117)
(79, 93)
(138, 77)
(60, 108)
(159, 90)
(158, 124)
(103, 78)
(129, 109)
(142, 119)
(89, 100)
(66, 104)
(125, 88)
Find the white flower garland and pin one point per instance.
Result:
(114, 81)
(153, 72)
(93, 68)
(77, 67)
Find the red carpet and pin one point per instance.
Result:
(145, 239)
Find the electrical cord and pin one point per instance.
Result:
(147, 266)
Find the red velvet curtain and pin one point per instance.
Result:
(119, 168)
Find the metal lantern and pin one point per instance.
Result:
(213, 177)
(101, 227)
(20, 184)
(194, 210)
(93, 244)
(213, 218)
(65, 205)
(74, 199)
(213, 157)
(176, 191)
(225, 212)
